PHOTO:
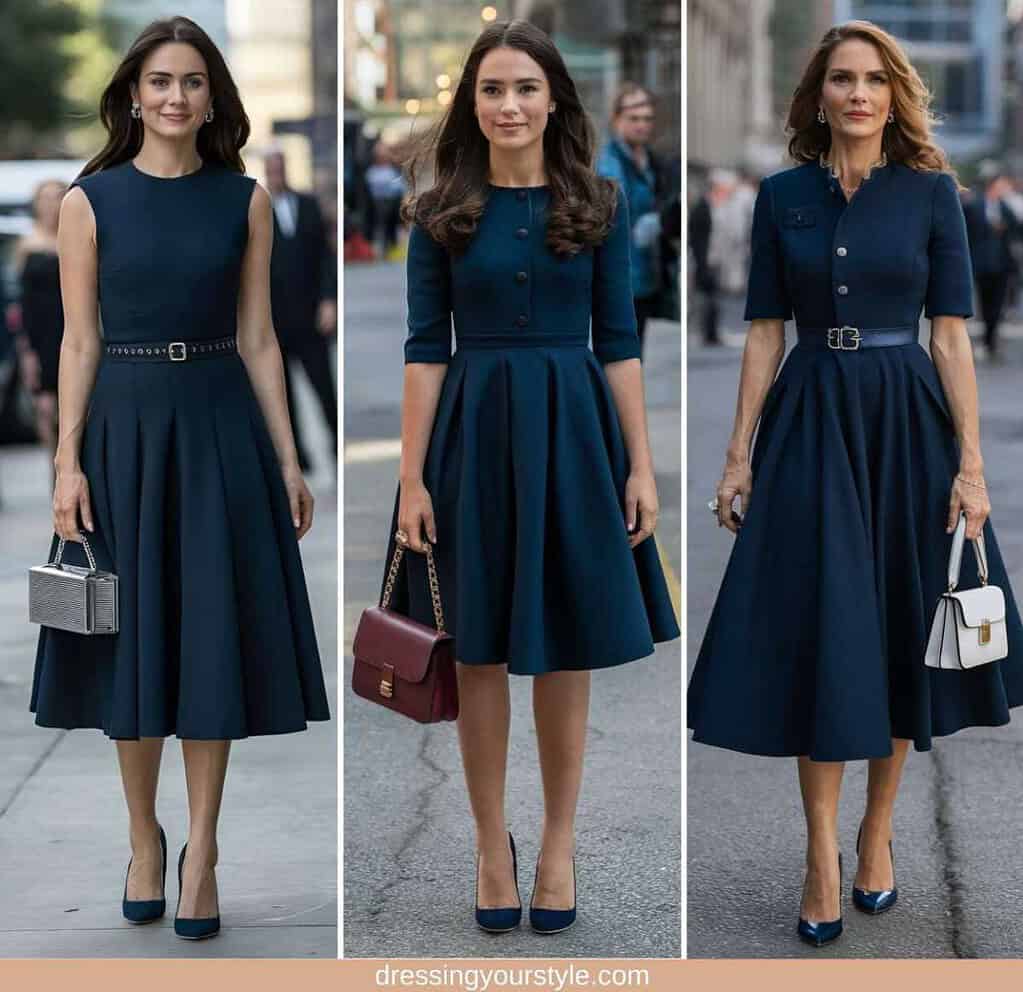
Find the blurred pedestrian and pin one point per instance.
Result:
(628, 159)
(993, 228)
(305, 314)
(525, 463)
(386, 188)
(175, 462)
(41, 312)
(867, 459)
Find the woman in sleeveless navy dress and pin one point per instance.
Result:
(176, 456)
(865, 455)
(525, 456)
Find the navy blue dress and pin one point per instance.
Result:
(216, 635)
(526, 465)
(816, 642)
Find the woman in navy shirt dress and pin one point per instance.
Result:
(525, 456)
(865, 455)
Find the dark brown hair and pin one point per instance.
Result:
(907, 140)
(582, 204)
(218, 141)
(627, 89)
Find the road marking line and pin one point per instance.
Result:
(674, 588)
(372, 451)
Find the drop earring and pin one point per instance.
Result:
(821, 119)
(136, 111)
(208, 116)
(891, 117)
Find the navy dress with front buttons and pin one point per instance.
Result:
(526, 465)
(816, 642)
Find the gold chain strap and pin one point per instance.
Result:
(431, 566)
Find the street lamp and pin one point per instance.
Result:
(412, 106)
(444, 97)
(443, 81)
(489, 13)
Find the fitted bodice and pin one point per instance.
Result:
(170, 251)
(897, 247)
(508, 289)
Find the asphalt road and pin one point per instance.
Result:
(408, 838)
(958, 860)
(63, 825)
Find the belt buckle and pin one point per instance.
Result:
(177, 351)
(836, 338)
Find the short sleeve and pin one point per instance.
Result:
(615, 337)
(766, 294)
(950, 278)
(428, 273)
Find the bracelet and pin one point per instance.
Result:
(976, 485)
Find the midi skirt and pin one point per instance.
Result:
(526, 469)
(216, 635)
(816, 641)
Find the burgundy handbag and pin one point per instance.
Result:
(403, 664)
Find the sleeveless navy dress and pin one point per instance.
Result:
(190, 510)
(526, 466)
(816, 642)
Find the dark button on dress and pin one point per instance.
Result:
(816, 642)
(216, 635)
(526, 465)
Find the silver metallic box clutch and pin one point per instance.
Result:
(69, 597)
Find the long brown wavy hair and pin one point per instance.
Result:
(219, 141)
(582, 203)
(907, 140)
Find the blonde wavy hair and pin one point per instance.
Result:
(907, 140)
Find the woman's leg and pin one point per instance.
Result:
(205, 770)
(874, 871)
(561, 703)
(484, 716)
(140, 772)
(821, 784)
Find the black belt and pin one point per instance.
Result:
(848, 338)
(171, 351)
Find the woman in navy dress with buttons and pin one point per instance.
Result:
(866, 453)
(176, 457)
(525, 457)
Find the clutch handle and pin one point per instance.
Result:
(88, 554)
(955, 558)
(392, 575)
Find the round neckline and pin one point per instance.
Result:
(166, 179)
(514, 188)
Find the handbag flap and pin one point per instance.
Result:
(388, 639)
(985, 604)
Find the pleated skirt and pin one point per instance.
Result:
(816, 642)
(526, 470)
(216, 635)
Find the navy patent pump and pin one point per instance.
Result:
(145, 910)
(875, 902)
(197, 927)
(507, 917)
(823, 933)
(551, 920)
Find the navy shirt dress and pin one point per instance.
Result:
(216, 637)
(526, 465)
(816, 642)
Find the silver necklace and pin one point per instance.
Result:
(850, 191)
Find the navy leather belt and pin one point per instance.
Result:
(478, 342)
(847, 338)
(170, 351)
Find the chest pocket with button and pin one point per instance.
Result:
(799, 217)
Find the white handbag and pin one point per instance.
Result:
(969, 625)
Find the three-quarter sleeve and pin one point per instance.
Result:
(429, 299)
(950, 277)
(614, 314)
(766, 295)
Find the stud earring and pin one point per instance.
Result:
(136, 111)
(821, 119)
(891, 117)
(550, 109)
(208, 116)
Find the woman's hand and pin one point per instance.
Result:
(969, 496)
(300, 500)
(71, 503)
(415, 515)
(737, 480)
(640, 506)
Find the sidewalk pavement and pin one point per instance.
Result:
(63, 824)
(408, 838)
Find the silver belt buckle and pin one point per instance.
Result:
(837, 338)
(177, 351)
